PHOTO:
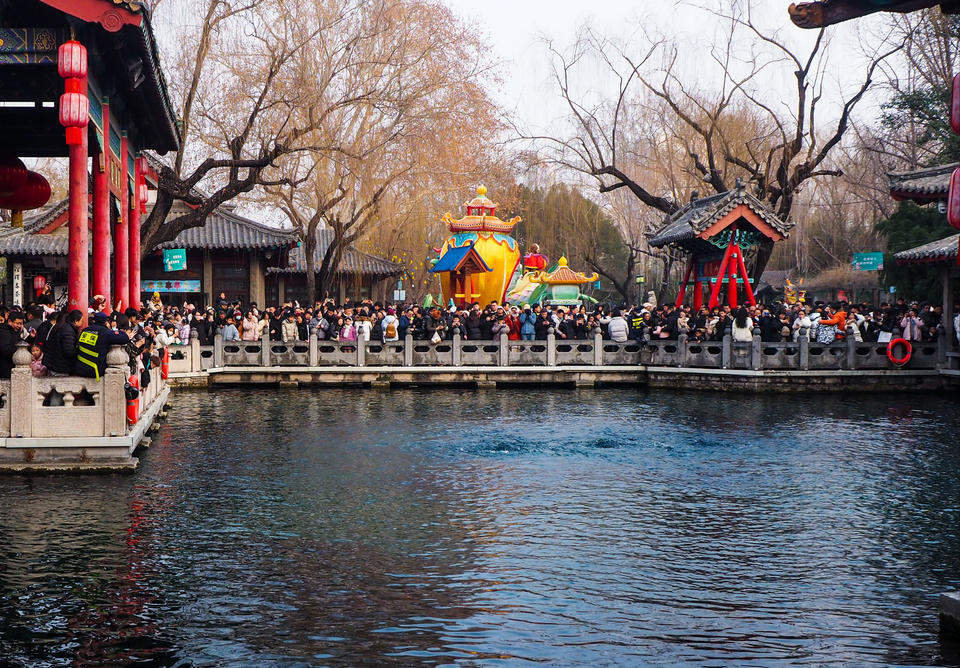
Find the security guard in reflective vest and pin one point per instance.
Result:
(94, 344)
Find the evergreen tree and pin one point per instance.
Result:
(910, 226)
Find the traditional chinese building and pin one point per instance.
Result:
(931, 186)
(81, 79)
(243, 258)
(715, 233)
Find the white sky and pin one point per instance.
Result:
(516, 28)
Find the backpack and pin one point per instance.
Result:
(391, 331)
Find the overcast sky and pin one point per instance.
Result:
(516, 29)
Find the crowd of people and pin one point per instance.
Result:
(59, 346)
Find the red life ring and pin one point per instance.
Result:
(899, 361)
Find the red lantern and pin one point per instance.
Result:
(39, 283)
(74, 115)
(32, 195)
(72, 60)
(13, 174)
(953, 200)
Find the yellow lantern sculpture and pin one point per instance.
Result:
(479, 235)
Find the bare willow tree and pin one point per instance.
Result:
(231, 84)
(422, 68)
(743, 126)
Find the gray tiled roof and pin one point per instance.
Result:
(225, 229)
(932, 183)
(351, 262)
(25, 241)
(700, 214)
(944, 249)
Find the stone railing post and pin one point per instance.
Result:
(804, 341)
(503, 353)
(362, 348)
(682, 349)
(597, 347)
(408, 350)
(194, 351)
(551, 347)
(22, 399)
(218, 351)
(726, 358)
(942, 346)
(265, 349)
(314, 354)
(756, 351)
(457, 351)
(114, 399)
(851, 347)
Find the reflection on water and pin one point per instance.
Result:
(607, 526)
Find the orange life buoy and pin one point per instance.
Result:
(165, 363)
(908, 348)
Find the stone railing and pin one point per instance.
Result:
(70, 406)
(802, 354)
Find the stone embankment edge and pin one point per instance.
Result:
(709, 380)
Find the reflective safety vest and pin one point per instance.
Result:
(92, 352)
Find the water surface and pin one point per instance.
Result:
(603, 526)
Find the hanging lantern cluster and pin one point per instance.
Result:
(74, 103)
(20, 188)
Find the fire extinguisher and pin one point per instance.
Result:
(165, 365)
(132, 392)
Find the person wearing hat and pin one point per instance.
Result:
(94, 344)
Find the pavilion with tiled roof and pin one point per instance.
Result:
(923, 186)
(230, 253)
(715, 232)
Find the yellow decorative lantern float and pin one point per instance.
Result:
(478, 260)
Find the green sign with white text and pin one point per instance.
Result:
(868, 261)
(175, 259)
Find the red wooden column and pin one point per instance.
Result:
(721, 273)
(101, 214)
(133, 254)
(747, 288)
(697, 287)
(732, 272)
(121, 240)
(78, 289)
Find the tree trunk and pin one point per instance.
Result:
(309, 247)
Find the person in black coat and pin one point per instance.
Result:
(43, 331)
(471, 323)
(9, 338)
(60, 352)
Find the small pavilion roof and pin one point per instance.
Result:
(455, 258)
(922, 185)
(941, 250)
(701, 214)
